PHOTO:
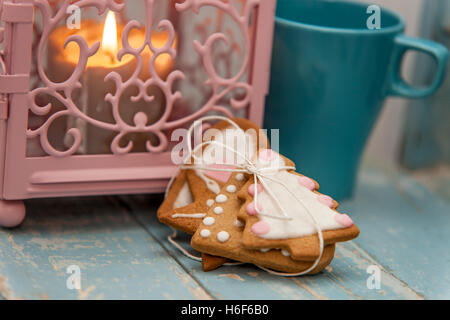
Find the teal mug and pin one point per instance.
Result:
(329, 77)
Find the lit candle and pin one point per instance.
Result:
(91, 97)
(109, 40)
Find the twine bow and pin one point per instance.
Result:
(260, 174)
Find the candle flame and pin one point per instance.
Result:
(109, 41)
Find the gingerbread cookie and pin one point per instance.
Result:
(304, 206)
(193, 191)
(210, 262)
(220, 234)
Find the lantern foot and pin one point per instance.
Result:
(12, 213)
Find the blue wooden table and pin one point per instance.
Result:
(122, 251)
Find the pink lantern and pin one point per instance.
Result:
(92, 90)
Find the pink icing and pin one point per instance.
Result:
(326, 200)
(267, 155)
(307, 183)
(222, 176)
(251, 189)
(251, 210)
(260, 228)
(343, 220)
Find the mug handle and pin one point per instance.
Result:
(436, 50)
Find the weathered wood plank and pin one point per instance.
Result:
(117, 257)
(404, 231)
(345, 278)
(406, 228)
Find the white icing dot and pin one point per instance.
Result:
(209, 202)
(205, 233)
(223, 236)
(264, 250)
(285, 253)
(240, 177)
(221, 198)
(231, 188)
(218, 210)
(238, 223)
(209, 221)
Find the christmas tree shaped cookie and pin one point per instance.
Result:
(289, 211)
(220, 233)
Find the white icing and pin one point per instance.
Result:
(301, 224)
(244, 142)
(209, 221)
(218, 210)
(223, 236)
(239, 177)
(212, 185)
(264, 250)
(184, 197)
(209, 203)
(205, 233)
(189, 215)
(285, 253)
(238, 223)
(221, 198)
(231, 188)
